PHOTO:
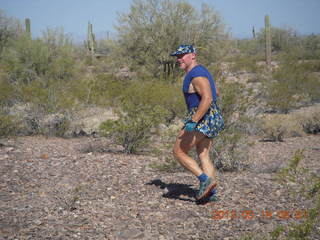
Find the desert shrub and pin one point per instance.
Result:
(54, 125)
(315, 187)
(275, 233)
(249, 47)
(153, 93)
(142, 106)
(280, 98)
(311, 46)
(145, 42)
(310, 120)
(41, 70)
(230, 148)
(107, 89)
(162, 148)
(308, 228)
(281, 39)
(7, 124)
(244, 63)
(103, 89)
(26, 59)
(291, 171)
(43, 73)
(292, 84)
(133, 128)
(231, 99)
(275, 127)
(10, 28)
(6, 90)
(230, 151)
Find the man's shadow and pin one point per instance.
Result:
(175, 190)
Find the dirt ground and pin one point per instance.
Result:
(55, 188)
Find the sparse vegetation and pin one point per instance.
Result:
(169, 165)
(45, 81)
(133, 128)
(277, 127)
(284, 90)
(230, 151)
(7, 125)
(290, 172)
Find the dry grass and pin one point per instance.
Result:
(276, 127)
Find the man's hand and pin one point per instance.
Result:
(190, 126)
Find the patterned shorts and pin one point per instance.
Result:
(211, 124)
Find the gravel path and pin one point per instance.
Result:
(50, 188)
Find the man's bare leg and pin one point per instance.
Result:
(184, 142)
(203, 151)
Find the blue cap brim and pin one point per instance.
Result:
(176, 53)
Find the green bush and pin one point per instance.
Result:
(315, 188)
(153, 93)
(311, 46)
(310, 121)
(249, 47)
(43, 71)
(145, 42)
(230, 148)
(275, 127)
(55, 125)
(133, 128)
(292, 84)
(46, 74)
(291, 172)
(10, 28)
(281, 39)
(6, 90)
(8, 124)
(104, 89)
(244, 63)
(142, 106)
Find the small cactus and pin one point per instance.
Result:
(253, 33)
(268, 40)
(28, 26)
(91, 41)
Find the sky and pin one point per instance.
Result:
(240, 16)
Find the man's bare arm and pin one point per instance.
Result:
(203, 88)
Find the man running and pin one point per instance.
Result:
(203, 122)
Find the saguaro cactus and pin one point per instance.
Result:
(28, 26)
(91, 43)
(253, 33)
(268, 40)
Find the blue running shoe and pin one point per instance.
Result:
(205, 188)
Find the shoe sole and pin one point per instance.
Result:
(207, 192)
(207, 200)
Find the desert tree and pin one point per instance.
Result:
(10, 28)
(154, 28)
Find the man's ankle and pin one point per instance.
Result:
(203, 177)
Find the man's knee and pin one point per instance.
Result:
(175, 152)
(204, 154)
(178, 152)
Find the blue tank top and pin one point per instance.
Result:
(193, 99)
